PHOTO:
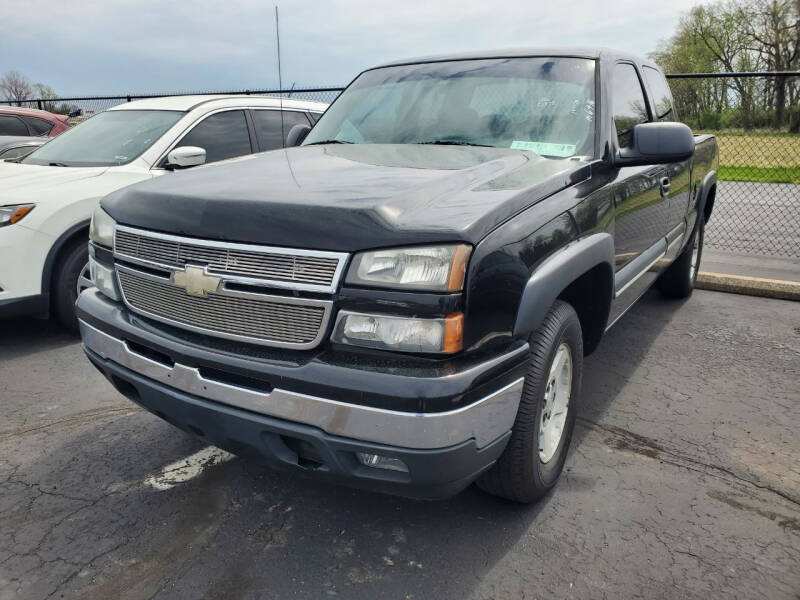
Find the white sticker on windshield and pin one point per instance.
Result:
(545, 148)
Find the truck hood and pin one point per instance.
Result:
(346, 197)
(22, 178)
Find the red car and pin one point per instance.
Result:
(30, 121)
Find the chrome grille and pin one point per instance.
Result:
(259, 318)
(291, 268)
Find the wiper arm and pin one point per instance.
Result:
(56, 164)
(453, 143)
(328, 142)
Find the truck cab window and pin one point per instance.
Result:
(629, 107)
(660, 92)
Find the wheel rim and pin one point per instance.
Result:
(556, 403)
(84, 279)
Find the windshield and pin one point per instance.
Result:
(111, 138)
(544, 105)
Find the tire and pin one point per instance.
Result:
(521, 473)
(71, 272)
(680, 277)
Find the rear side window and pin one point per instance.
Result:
(11, 125)
(268, 126)
(222, 135)
(628, 104)
(38, 126)
(662, 97)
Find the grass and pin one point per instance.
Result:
(759, 174)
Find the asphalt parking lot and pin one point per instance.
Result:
(683, 482)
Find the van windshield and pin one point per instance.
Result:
(540, 104)
(111, 138)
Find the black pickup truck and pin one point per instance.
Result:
(402, 299)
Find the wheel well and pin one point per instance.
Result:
(709, 205)
(590, 296)
(66, 242)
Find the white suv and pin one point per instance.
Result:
(47, 198)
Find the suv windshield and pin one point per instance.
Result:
(541, 104)
(111, 138)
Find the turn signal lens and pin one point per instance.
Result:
(453, 333)
(14, 213)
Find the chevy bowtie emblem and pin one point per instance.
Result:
(195, 281)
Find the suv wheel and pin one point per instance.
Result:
(679, 278)
(531, 463)
(71, 278)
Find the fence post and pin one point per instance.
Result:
(39, 104)
(129, 98)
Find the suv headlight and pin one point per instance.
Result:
(425, 268)
(13, 213)
(101, 230)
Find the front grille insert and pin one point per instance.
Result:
(310, 270)
(258, 318)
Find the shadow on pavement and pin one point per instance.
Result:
(24, 335)
(619, 355)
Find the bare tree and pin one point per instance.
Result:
(774, 26)
(14, 86)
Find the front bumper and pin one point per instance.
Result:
(443, 450)
(21, 290)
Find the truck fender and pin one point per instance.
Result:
(709, 181)
(557, 272)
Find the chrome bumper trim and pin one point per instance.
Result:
(485, 420)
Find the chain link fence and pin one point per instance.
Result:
(756, 119)
(83, 107)
(755, 116)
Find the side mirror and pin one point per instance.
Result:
(296, 135)
(655, 143)
(185, 156)
(75, 113)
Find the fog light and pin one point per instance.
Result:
(381, 462)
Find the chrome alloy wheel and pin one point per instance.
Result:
(556, 403)
(694, 265)
(84, 279)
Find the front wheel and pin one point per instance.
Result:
(69, 280)
(534, 457)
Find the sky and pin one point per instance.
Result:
(104, 47)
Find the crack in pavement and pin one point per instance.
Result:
(622, 439)
(78, 418)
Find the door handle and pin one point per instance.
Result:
(664, 185)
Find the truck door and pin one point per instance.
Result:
(677, 175)
(640, 197)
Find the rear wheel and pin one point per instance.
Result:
(534, 457)
(680, 277)
(71, 278)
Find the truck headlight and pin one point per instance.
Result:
(388, 332)
(425, 268)
(101, 230)
(103, 277)
(13, 213)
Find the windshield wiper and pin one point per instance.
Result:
(56, 164)
(328, 142)
(453, 143)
